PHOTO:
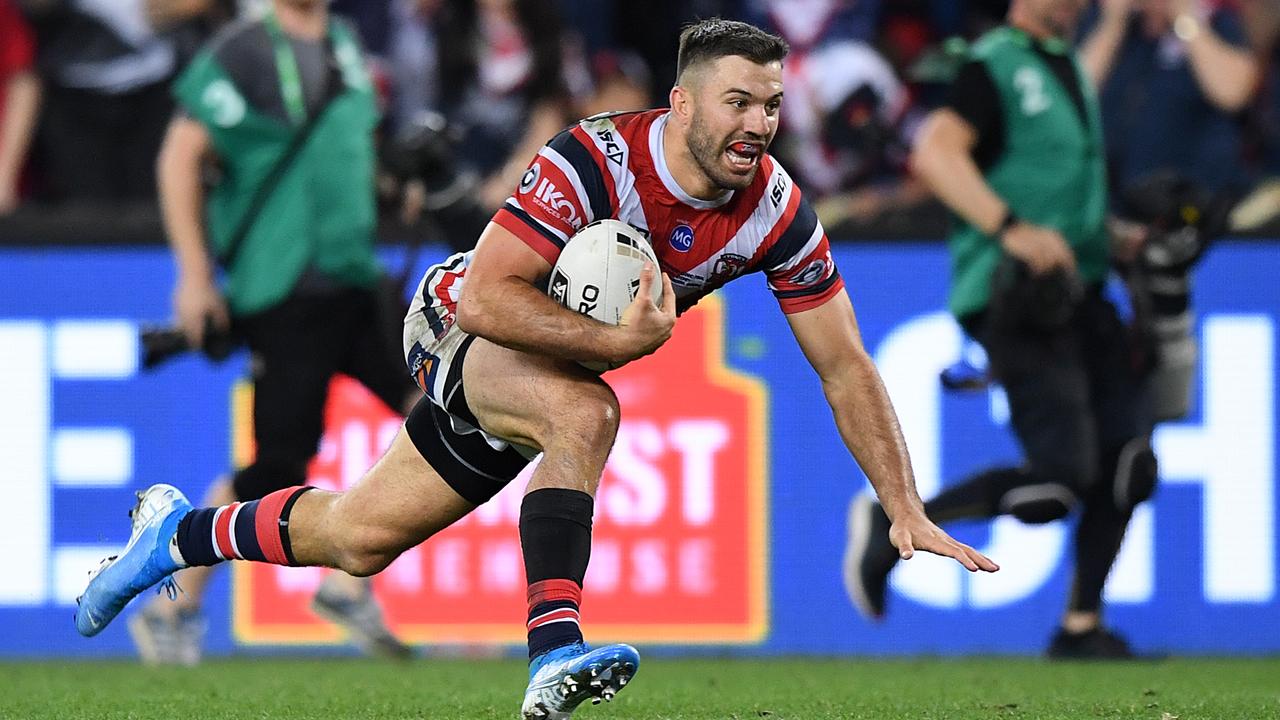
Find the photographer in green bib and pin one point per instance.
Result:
(1017, 154)
(280, 108)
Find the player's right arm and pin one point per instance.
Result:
(196, 295)
(501, 301)
(943, 160)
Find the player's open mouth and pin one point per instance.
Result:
(743, 155)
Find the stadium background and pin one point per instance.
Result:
(83, 427)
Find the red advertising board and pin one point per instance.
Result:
(679, 547)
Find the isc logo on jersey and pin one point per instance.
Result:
(546, 194)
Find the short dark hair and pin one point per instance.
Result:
(715, 38)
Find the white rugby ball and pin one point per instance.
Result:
(598, 273)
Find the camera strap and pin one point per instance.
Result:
(291, 92)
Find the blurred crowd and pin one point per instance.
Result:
(85, 96)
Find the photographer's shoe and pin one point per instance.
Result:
(168, 638)
(362, 618)
(145, 561)
(560, 679)
(869, 556)
(1096, 644)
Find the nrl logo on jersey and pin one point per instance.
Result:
(811, 273)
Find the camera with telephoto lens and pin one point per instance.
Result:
(1182, 220)
(424, 150)
(162, 343)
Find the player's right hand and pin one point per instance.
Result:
(917, 532)
(1042, 249)
(194, 300)
(645, 326)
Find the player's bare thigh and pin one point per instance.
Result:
(550, 404)
(400, 502)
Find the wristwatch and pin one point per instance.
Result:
(1009, 220)
(1187, 27)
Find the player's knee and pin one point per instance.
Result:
(1136, 472)
(368, 551)
(588, 419)
(1039, 503)
(365, 565)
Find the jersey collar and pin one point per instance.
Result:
(664, 173)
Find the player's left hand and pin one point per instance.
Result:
(917, 532)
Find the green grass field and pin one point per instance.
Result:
(321, 689)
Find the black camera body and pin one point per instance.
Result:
(1183, 220)
(162, 343)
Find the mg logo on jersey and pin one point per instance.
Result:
(682, 238)
(554, 200)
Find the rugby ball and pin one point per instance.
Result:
(598, 273)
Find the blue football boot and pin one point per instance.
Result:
(560, 679)
(145, 561)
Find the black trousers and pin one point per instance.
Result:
(1076, 398)
(297, 347)
(1075, 395)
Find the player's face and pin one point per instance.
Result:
(734, 118)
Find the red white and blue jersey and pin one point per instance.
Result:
(613, 166)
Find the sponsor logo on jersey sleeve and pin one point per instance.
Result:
(530, 178)
(612, 149)
(547, 194)
(811, 274)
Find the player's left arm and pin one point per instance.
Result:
(828, 335)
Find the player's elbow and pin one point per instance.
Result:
(470, 315)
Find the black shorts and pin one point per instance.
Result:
(451, 442)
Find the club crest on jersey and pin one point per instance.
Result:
(682, 238)
(727, 267)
